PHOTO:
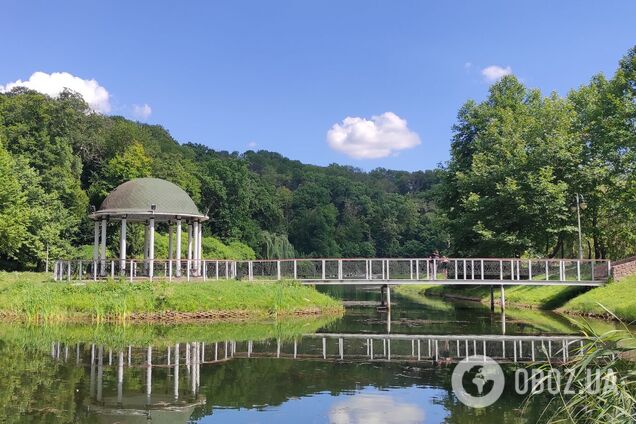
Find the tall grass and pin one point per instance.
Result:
(37, 301)
(614, 401)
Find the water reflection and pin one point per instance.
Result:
(167, 381)
(353, 370)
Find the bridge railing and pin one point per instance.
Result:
(330, 270)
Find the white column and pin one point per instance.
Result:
(145, 247)
(96, 249)
(145, 241)
(200, 255)
(195, 244)
(103, 250)
(190, 246)
(122, 247)
(178, 249)
(170, 255)
(151, 246)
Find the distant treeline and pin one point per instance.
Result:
(518, 159)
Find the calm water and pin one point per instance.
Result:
(363, 368)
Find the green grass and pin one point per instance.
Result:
(618, 297)
(31, 297)
(541, 297)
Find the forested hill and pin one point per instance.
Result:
(57, 158)
(518, 161)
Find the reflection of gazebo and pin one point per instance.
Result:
(149, 201)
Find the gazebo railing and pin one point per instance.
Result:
(356, 270)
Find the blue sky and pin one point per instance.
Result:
(278, 75)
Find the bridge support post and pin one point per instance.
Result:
(503, 298)
(385, 296)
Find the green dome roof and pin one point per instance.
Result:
(136, 196)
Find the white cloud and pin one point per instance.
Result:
(53, 84)
(379, 137)
(374, 409)
(494, 73)
(252, 144)
(142, 112)
(467, 66)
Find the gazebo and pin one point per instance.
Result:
(149, 201)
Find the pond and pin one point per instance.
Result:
(367, 367)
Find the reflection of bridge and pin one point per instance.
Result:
(363, 271)
(365, 348)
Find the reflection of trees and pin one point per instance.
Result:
(34, 388)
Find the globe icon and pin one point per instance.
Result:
(481, 370)
(480, 380)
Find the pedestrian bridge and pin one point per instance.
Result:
(352, 271)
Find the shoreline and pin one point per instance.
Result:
(174, 317)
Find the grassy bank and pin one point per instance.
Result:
(31, 297)
(619, 297)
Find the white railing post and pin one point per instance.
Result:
(323, 270)
(417, 269)
(482, 268)
(366, 269)
(388, 269)
(578, 270)
(500, 269)
(547, 271)
(434, 269)
(529, 269)
(428, 269)
(132, 266)
(250, 270)
(205, 270)
(340, 269)
(411, 267)
(295, 269)
(217, 269)
(80, 271)
(512, 269)
(465, 273)
(278, 270)
(472, 269)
